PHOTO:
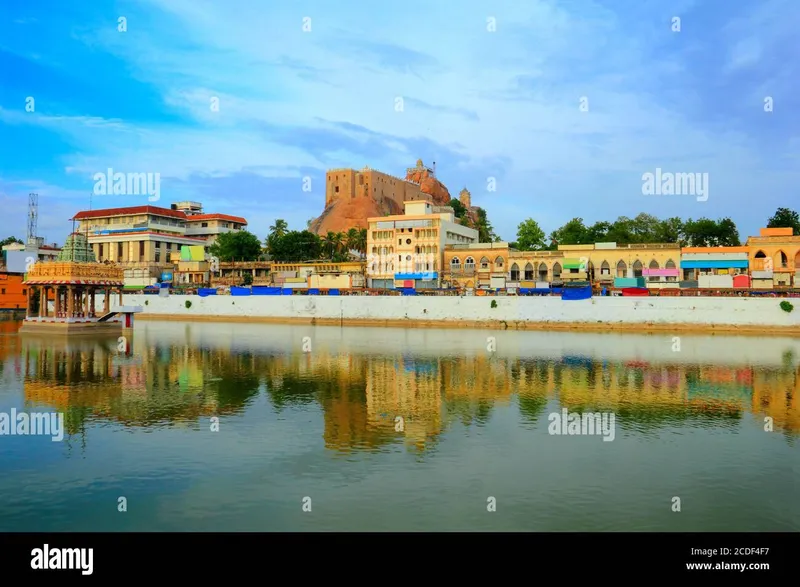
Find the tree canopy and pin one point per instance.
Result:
(236, 246)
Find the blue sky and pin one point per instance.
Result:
(500, 104)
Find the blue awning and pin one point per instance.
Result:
(708, 264)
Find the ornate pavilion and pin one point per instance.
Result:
(76, 278)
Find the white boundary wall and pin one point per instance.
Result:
(754, 312)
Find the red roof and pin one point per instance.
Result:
(155, 210)
(196, 217)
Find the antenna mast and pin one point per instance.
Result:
(33, 213)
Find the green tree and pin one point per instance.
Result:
(705, 232)
(236, 246)
(598, 232)
(247, 279)
(483, 226)
(295, 247)
(572, 233)
(785, 218)
(10, 241)
(458, 208)
(530, 236)
(670, 231)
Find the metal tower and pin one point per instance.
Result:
(33, 213)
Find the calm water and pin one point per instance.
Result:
(391, 429)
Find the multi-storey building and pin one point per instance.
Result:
(715, 267)
(407, 251)
(142, 238)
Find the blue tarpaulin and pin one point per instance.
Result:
(333, 292)
(287, 291)
(313, 291)
(240, 291)
(204, 291)
(409, 292)
(576, 293)
(266, 291)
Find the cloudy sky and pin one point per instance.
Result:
(489, 90)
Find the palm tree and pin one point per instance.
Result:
(338, 242)
(279, 229)
(352, 239)
(362, 241)
(328, 242)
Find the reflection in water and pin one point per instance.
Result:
(371, 400)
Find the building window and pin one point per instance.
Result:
(204, 225)
(119, 251)
(336, 189)
(158, 255)
(141, 250)
(100, 252)
(408, 241)
(455, 264)
(3, 291)
(24, 291)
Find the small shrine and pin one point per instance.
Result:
(75, 279)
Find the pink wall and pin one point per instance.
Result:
(661, 272)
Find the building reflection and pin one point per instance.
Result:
(372, 401)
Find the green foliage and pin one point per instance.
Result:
(785, 218)
(530, 236)
(247, 279)
(458, 208)
(10, 241)
(494, 303)
(646, 228)
(786, 306)
(236, 246)
(147, 302)
(188, 304)
(295, 247)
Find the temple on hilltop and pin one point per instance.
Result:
(75, 278)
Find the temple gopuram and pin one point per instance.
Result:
(76, 279)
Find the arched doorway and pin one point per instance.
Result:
(514, 272)
(622, 269)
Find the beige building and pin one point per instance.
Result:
(774, 258)
(600, 263)
(143, 238)
(479, 266)
(407, 251)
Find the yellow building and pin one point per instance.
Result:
(774, 258)
(321, 274)
(479, 265)
(528, 269)
(407, 251)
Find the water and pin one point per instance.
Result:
(393, 429)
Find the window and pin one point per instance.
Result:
(336, 189)
(141, 250)
(484, 263)
(119, 251)
(408, 241)
(469, 263)
(514, 272)
(100, 251)
(204, 225)
(24, 291)
(2, 291)
(528, 272)
(455, 263)
(399, 241)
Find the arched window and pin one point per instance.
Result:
(484, 263)
(499, 262)
(528, 272)
(455, 263)
(514, 272)
(469, 263)
(605, 268)
(653, 264)
(637, 268)
(557, 270)
(542, 272)
(781, 260)
(670, 264)
(622, 269)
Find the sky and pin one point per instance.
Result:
(543, 110)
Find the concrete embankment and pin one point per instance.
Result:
(739, 315)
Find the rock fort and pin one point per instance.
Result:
(352, 196)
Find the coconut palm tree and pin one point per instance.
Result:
(338, 242)
(362, 241)
(352, 239)
(279, 229)
(328, 242)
